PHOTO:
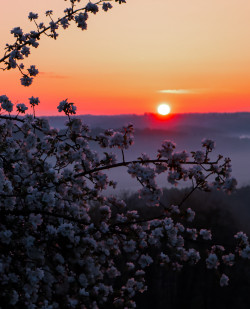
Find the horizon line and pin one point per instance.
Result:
(148, 113)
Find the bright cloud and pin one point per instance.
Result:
(183, 91)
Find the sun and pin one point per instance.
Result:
(163, 109)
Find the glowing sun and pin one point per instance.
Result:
(163, 109)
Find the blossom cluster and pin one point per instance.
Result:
(21, 48)
(65, 241)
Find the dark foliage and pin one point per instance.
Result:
(197, 287)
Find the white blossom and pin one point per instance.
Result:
(21, 108)
(145, 260)
(229, 259)
(224, 280)
(32, 16)
(5, 236)
(245, 253)
(206, 234)
(212, 261)
(190, 215)
(33, 71)
(26, 80)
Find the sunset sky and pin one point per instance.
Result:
(193, 55)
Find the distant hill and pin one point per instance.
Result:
(220, 122)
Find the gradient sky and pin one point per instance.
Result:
(194, 55)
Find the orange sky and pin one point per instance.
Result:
(193, 54)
